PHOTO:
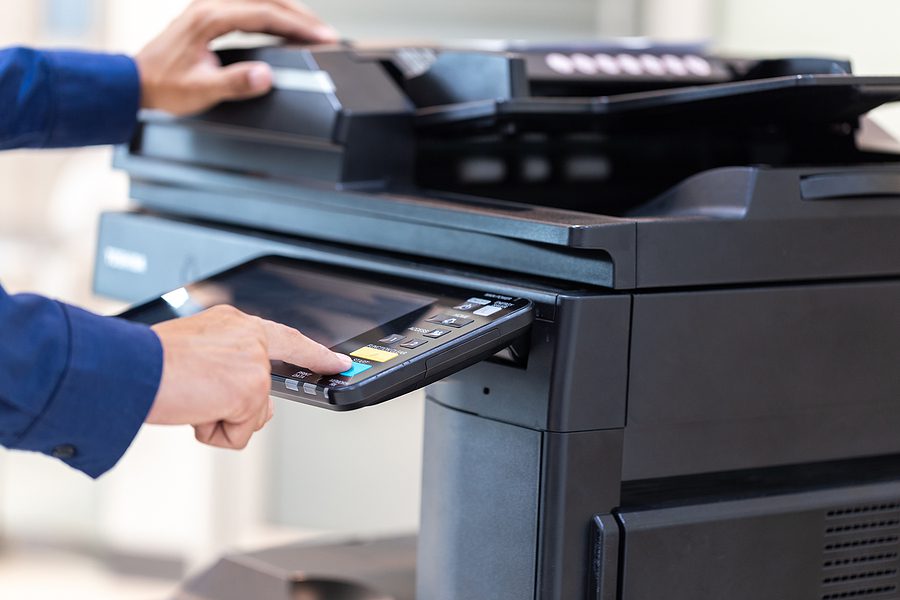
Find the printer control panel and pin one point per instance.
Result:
(400, 333)
(393, 345)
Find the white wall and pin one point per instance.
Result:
(866, 31)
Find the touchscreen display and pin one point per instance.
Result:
(328, 309)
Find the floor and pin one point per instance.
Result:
(42, 574)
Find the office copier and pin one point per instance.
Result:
(707, 405)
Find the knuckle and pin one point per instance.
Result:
(254, 392)
(267, 17)
(209, 20)
(199, 11)
(223, 310)
(259, 356)
(263, 385)
(236, 405)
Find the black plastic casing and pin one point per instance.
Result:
(644, 387)
(710, 404)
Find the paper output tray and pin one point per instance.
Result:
(800, 99)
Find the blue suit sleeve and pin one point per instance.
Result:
(57, 99)
(73, 385)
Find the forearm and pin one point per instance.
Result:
(64, 99)
(72, 384)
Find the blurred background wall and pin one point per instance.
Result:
(176, 504)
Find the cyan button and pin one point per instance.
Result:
(356, 369)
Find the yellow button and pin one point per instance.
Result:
(374, 354)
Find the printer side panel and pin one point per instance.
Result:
(732, 379)
(480, 499)
(519, 459)
(829, 543)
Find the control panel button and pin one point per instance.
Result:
(356, 369)
(697, 65)
(374, 354)
(449, 321)
(652, 64)
(309, 388)
(413, 343)
(486, 311)
(466, 306)
(392, 339)
(436, 333)
(607, 64)
(674, 65)
(480, 301)
(584, 64)
(457, 322)
(630, 64)
(560, 63)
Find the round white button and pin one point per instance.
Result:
(630, 64)
(560, 63)
(584, 63)
(697, 65)
(607, 64)
(674, 65)
(652, 64)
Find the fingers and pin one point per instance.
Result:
(214, 19)
(241, 81)
(235, 435)
(287, 344)
(231, 436)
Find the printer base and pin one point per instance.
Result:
(382, 569)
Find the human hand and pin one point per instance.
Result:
(180, 75)
(216, 372)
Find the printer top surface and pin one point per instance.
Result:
(590, 147)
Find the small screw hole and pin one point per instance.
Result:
(486, 391)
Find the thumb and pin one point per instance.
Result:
(241, 81)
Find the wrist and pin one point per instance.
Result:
(146, 83)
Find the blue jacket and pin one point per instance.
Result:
(73, 385)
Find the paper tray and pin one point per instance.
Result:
(801, 99)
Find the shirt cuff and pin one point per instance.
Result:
(105, 393)
(97, 98)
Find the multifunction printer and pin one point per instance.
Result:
(706, 404)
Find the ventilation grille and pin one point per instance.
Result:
(861, 552)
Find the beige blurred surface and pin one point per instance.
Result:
(53, 574)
